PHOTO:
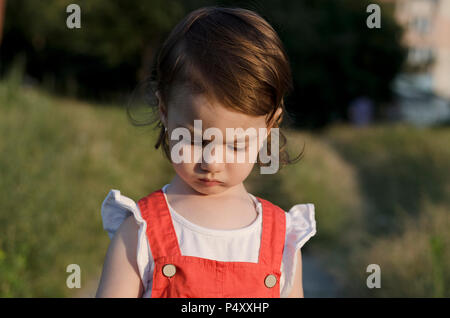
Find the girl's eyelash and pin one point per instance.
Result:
(204, 142)
(233, 147)
(237, 148)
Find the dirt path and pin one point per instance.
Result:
(317, 282)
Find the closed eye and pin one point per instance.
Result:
(237, 147)
(204, 142)
(234, 147)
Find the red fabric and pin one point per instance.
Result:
(198, 277)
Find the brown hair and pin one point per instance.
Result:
(228, 54)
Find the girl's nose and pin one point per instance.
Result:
(211, 167)
(211, 162)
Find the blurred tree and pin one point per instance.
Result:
(2, 16)
(334, 56)
(112, 50)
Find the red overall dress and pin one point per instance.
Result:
(178, 276)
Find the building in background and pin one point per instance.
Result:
(427, 35)
(424, 87)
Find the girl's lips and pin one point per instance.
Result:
(210, 182)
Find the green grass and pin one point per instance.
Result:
(381, 195)
(404, 179)
(59, 160)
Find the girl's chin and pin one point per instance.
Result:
(208, 188)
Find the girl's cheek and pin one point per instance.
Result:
(184, 171)
(239, 171)
(184, 152)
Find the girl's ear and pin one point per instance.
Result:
(162, 109)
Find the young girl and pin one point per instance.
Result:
(203, 234)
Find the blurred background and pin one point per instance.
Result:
(371, 106)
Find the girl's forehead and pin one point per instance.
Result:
(212, 114)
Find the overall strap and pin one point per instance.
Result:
(160, 231)
(273, 234)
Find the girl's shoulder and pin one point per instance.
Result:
(300, 224)
(300, 227)
(116, 208)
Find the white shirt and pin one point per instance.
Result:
(239, 245)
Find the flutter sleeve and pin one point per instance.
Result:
(300, 227)
(115, 209)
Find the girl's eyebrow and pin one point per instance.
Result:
(183, 126)
(190, 128)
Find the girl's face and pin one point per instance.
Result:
(182, 110)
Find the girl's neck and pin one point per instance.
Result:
(231, 209)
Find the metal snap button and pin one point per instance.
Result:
(169, 270)
(270, 281)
